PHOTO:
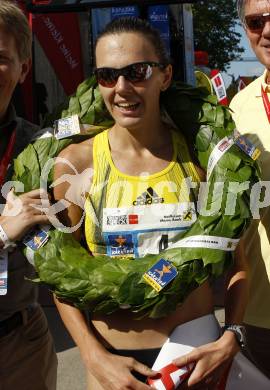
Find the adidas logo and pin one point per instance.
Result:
(148, 197)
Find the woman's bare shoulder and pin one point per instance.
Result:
(79, 155)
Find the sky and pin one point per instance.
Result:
(243, 68)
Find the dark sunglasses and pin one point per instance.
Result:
(135, 73)
(256, 22)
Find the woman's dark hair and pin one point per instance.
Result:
(137, 25)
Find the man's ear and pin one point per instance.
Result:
(167, 78)
(25, 67)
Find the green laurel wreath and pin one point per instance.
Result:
(104, 285)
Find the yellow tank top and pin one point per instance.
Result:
(130, 216)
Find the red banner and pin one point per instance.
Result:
(59, 35)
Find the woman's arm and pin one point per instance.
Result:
(213, 359)
(237, 288)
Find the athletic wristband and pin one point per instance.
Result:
(4, 240)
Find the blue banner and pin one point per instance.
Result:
(103, 16)
(158, 16)
(100, 17)
(118, 12)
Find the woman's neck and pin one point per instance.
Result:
(150, 137)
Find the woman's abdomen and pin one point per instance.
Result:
(122, 330)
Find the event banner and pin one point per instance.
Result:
(59, 36)
(118, 12)
(158, 16)
(102, 16)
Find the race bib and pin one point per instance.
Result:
(138, 230)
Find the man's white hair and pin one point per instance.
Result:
(241, 9)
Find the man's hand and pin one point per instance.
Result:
(211, 362)
(114, 372)
(23, 212)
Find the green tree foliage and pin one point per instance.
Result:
(214, 31)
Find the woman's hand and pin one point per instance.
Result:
(211, 362)
(114, 372)
(23, 212)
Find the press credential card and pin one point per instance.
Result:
(67, 127)
(3, 271)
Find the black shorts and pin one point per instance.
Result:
(144, 356)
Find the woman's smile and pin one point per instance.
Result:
(127, 107)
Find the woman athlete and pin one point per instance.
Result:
(137, 188)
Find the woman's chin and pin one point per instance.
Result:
(129, 123)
